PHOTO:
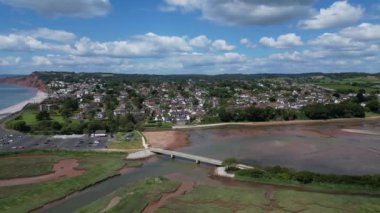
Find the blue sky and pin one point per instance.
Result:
(190, 36)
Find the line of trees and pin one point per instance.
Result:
(256, 114)
(307, 177)
(346, 109)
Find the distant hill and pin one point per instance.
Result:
(49, 75)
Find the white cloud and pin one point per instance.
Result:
(54, 35)
(9, 61)
(200, 41)
(364, 31)
(247, 43)
(345, 50)
(15, 42)
(292, 56)
(243, 12)
(340, 13)
(77, 8)
(333, 40)
(222, 45)
(184, 5)
(69, 60)
(283, 41)
(41, 60)
(147, 45)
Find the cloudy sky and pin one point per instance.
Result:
(190, 36)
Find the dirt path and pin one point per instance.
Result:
(64, 168)
(112, 204)
(185, 187)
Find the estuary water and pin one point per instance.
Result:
(323, 148)
(12, 94)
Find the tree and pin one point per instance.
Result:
(360, 97)
(316, 111)
(304, 177)
(42, 116)
(70, 104)
(19, 126)
(225, 116)
(373, 106)
(229, 162)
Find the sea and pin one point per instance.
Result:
(12, 94)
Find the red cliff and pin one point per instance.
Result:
(26, 81)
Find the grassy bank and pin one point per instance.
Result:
(22, 198)
(28, 167)
(122, 140)
(289, 177)
(206, 198)
(133, 197)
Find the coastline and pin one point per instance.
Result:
(274, 123)
(38, 98)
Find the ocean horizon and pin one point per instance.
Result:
(11, 94)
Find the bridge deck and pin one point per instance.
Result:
(187, 156)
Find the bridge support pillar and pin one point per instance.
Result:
(197, 162)
(172, 156)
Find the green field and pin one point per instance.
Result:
(22, 198)
(55, 124)
(131, 140)
(29, 116)
(133, 197)
(347, 85)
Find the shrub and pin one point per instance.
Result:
(229, 162)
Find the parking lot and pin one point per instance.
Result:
(18, 141)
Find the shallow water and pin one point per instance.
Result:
(324, 148)
(12, 94)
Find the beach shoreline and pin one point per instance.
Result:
(38, 98)
(275, 123)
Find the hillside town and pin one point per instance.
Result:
(186, 101)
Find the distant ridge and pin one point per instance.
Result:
(9, 75)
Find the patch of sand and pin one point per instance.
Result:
(167, 139)
(140, 155)
(359, 131)
(64, 168)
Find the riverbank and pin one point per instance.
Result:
(38, 98)
(277, 123)
(96, 167)
(167, 139)
(359, 131)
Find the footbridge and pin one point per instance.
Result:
(196, 158)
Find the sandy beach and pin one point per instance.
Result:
(40, 96)
(167, 139)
